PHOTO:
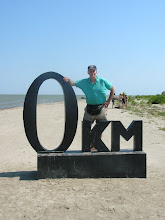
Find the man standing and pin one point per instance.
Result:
(94, 89)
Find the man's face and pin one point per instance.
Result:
(92, 72)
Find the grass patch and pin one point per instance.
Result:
(142, 105)
(143, 97)
(161, 114)
(157, 99)
(162, 129)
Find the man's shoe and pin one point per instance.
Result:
(93, 149)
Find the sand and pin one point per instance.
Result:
(22, 196)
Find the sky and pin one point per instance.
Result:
(125, 39)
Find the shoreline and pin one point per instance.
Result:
(6, 102)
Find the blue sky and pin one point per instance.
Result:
(125, 39)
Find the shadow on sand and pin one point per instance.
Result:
(23, 175)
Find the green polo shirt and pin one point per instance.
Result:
(95, 92)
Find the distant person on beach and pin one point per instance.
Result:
(113, 101)
(94, 89)
(121, 100)
(124, 99)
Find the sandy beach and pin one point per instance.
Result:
(22, 196)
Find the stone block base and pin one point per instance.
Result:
(91, 165)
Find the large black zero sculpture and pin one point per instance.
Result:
(29, 112)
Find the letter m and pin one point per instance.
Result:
(117, 129)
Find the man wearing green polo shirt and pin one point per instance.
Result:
(94, 89)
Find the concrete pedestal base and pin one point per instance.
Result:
(91, 165)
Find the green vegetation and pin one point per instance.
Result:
(162, 129)
(143, 97)
(157, 99)
(146, 105)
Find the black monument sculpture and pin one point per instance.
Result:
(62, 163)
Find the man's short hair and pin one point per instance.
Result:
(92, 67)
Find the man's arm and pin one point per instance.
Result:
(112, 92)
(67, 79)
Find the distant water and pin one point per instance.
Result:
(12, 101)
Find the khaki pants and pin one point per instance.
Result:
(99, 118)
